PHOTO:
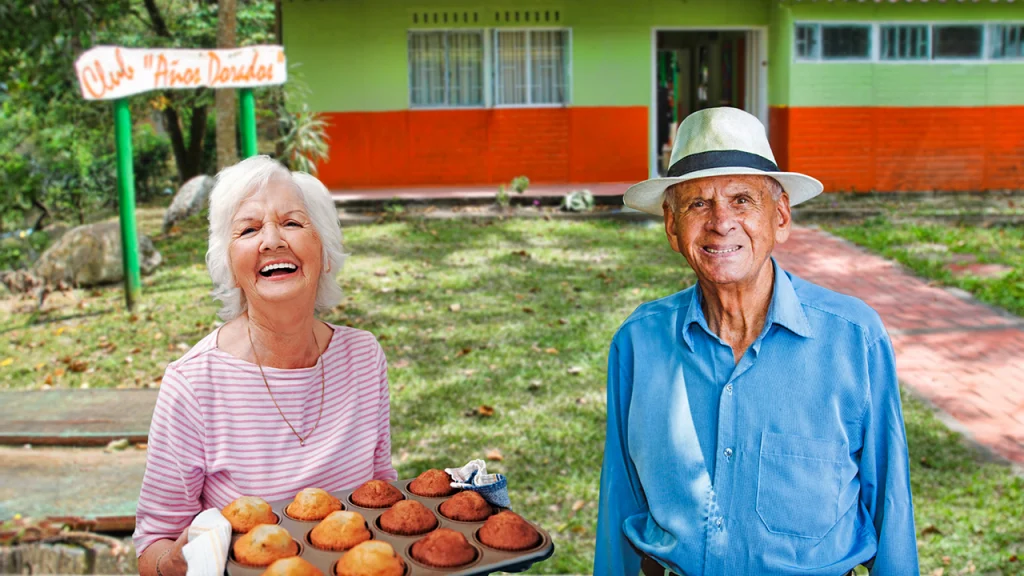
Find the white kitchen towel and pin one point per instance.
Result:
(209, 538)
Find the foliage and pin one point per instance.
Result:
(303, 140)
(519, 184)
(21, 249)
(578, 201)
(56, 149)
(150, 154)
(538, 303)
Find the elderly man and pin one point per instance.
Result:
(754, 419)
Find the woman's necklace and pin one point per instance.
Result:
(323, 386)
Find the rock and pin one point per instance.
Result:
(90, 255)
(190, 200)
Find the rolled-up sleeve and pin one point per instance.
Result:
(382, 467)
(175, 464)
(620, 495)
(884, 467)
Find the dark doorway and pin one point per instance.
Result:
(695, 70)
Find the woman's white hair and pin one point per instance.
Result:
(235, 184)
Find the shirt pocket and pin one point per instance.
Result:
(798, 484)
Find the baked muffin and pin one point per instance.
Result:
(248, 511)
(341, 530)
(312, 504)
(294, 566)
(467, 506)
(443, 548)
(508, 531)
(371, 558)
(408, 518)
(376, 494)
(264, 544)
(433, 483)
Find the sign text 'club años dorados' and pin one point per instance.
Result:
(109, 72)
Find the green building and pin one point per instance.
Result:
(870, 95)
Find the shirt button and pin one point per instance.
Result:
(718, 522)
(728, 452)
(728, 388)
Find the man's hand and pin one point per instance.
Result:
(173, 562)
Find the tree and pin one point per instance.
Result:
(227, 150)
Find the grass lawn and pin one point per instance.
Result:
(496, 335)
(916, 244)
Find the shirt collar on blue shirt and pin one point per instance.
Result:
(784, 310)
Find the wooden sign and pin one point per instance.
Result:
(111, 72)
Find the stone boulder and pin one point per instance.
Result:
(190, 200)
(91, 255)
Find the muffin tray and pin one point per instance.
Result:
(488, 559)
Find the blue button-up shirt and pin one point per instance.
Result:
(792, 461)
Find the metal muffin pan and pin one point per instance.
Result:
(488, 559)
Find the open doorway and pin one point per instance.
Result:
(697, 69)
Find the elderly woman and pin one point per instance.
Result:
(274, 400)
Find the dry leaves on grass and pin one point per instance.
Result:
(494, 455)
(455, 307)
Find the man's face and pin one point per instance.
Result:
(727, 226)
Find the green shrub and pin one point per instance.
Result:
(151, 156)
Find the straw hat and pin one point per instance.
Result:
(719, 142)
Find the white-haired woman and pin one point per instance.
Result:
(274, 400)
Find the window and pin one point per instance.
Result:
(1007, 41)
(904, 42)
(957, 41)
(807, 41)
(446, 68)
(845, 42)
(530, 67)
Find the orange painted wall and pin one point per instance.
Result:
(486, 146)
(902, 148)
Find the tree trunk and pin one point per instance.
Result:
(187, 158)
(227, 151)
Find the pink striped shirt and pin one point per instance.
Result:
(216, 434)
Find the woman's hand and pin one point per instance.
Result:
(172, 562)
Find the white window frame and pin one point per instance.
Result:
(990, 32)
(490, 42)
(819, 43)
(527, 30)
(898, 25)
(816, 53)
(987, 27)
(483, 72)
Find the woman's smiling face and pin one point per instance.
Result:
(275, 252)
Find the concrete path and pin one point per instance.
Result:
(962, 356)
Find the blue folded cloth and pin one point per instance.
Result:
(474, 476)
(496, 493)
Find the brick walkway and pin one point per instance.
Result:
(964, 357)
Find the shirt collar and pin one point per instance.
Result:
(785, 310)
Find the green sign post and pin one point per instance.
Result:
(114, 73)
(126, 200)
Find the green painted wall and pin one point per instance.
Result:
(780, 53)
(353, 53)
(883, 84)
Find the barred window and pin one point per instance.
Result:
(807, 41)
(904, 42)
(530, 67)
(1007, 41)
(446, 68)
(957, 41)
